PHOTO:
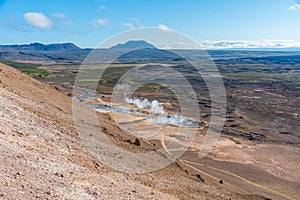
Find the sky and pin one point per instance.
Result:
(214, 23)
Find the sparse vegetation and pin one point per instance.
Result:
(244, 127)
(28, 68)
(251, 137)
(108, 116)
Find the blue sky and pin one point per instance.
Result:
(212, 22)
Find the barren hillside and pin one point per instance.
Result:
(42, 156)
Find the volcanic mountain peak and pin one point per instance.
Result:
(134, 44)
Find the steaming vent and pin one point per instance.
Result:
(153, 112)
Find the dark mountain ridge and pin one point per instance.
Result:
(41, 47)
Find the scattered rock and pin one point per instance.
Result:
(221, 181)
(234, 125)
(250, 137)
(229, 117)
(104, 129)
(137, 142)
(16, 175)
(200, 178)
(128, 141)
(206, 115)
(286, 133)
(59, 174)
(97, 165)
(20, 133)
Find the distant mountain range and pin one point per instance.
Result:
(134, 44)
(64, 52)
(143, 52)
(41, 47)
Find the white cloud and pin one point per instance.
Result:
(178, 45)
(63, 18)
(38, 20)
(59, 15)
(133, 23)
(102, 7)
(164, 27)
(294, 7)
(68, 23)
(248, 44)
(129, 25)
(100, 22)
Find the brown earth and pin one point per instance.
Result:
(42, 156)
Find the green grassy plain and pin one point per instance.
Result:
(28, 68)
